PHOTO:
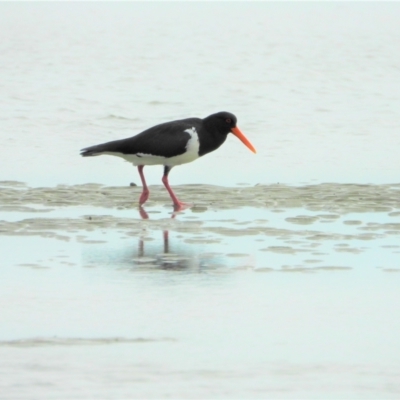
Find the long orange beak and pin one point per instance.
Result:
(238, 133)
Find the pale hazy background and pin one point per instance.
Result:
(315, 86)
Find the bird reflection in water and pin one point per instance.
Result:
(165, 260)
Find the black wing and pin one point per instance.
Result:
(166, 140)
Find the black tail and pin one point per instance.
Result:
(101, 148)
(91, 151)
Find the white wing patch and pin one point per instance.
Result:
(193, 143)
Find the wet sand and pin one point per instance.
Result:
(278, 220)
(332, 197)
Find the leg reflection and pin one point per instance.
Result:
(166, 242)
(177, 259)
(169, 258)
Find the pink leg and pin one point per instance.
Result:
(178, 205)
(146, 192)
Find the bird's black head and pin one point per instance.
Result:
(217, 126)
(222, 122)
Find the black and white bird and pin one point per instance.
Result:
(172, 143)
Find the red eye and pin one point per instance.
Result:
(228, 120)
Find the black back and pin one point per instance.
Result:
(170, 139)
(167, 140)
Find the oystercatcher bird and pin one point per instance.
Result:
(172, 143)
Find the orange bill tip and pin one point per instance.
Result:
(238, 133)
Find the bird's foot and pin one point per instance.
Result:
(143, 213)
(144, 196)
(180, 206)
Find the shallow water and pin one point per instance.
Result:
(298, 299)
(261, 289)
